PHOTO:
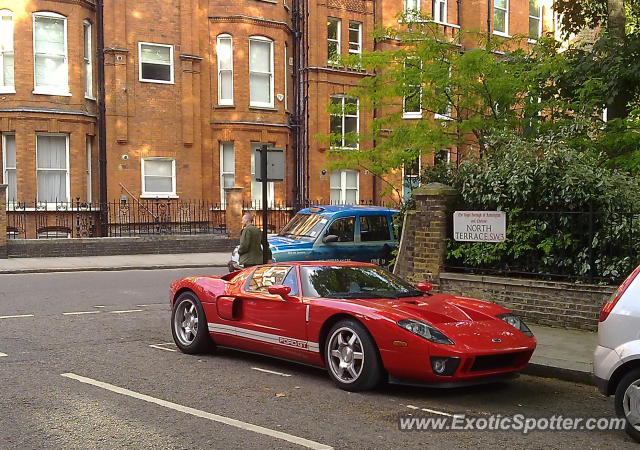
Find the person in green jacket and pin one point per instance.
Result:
(250, 250)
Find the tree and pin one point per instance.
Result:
(454, 98)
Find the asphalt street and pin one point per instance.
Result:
(87, 361)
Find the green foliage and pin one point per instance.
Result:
(534, 180)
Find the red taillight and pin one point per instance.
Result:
(608, 307)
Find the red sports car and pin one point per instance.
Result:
(357, 320)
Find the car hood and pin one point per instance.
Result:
(280, 243)
(471, 324)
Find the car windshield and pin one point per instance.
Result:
(353, 282)
(305, 227)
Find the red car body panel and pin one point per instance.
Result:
(294, 328)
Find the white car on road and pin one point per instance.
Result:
(616, 363)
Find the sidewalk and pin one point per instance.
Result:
(561, 353)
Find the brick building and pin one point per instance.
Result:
(193, 87)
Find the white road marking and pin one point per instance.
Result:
(79, 313)
(432, 411)
(271, 371)
(99, 306)
(142, 306)
(16, 316)
(203, 414)
(3, 354)
(123, 311)
(158, 346)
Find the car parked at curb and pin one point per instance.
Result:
(360, 322)
(342, 233)
(616, 363)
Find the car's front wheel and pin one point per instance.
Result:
(628, 402)
(352, 357)
(189, 324)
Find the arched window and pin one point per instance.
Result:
(51, 72)
(6, 52)
(224, 50)
(260, 71)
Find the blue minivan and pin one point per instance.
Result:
(356, 233)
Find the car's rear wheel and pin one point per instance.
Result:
(628, 402)
(352, 357)
(189, 324)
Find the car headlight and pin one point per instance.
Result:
(425, 330)
(516, 323)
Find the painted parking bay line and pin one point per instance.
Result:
(203, 414)
(16, 316)
(271, 371)
(3, 354)
(163, 346)
(124, 311)
(79, 313)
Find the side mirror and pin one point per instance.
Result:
(330, 238)
(279, 289)
(424, 287)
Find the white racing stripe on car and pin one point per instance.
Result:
(265, 337)
(203, 414)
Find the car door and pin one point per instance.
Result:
(375, 238)
(338, 241)
(268, 323)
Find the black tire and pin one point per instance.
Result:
(622, 402)
(189, 324)
(353, 363)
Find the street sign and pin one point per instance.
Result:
(479, 226)
(275, 164)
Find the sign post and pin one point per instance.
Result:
(271, 168)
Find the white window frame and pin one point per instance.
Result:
(257, 185)
(146, 194)
(504, 32)
(222, 172)
(357, 51)
(411, 6)
(448, 155)
(337, 40)
(88, 169)
(271, 80)
(343, 115)
(405, 177)
(5, 168)
(436, 7)
(4, 87)
(63, 90)
(286, 75)
(343, 186)
(224, 101)
(68, 187)
(538, 18)
(171, 64)
(88, 59)
(412, 114)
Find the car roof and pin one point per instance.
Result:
(330, 210)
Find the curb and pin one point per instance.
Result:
(560, 373)
(107, 269)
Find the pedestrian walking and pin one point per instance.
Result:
(250, 250)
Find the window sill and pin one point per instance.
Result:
(158, 196)
(532, 41)
(437, 22)
(275, 2)
(412, 115)
(219, 106)
(57, 93)
(502, 34)
(7, 90)
(155, 81)
(90, 98)
(437, 116)
(263, 108)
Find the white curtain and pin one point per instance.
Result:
(260, 71)
(225, 69)
(158, 175)
(10, 167)
(6, 50)
(50, 57)
(52, 168)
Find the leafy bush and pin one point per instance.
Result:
(568, 212)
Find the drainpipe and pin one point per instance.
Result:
(488, 24)
(102, 128)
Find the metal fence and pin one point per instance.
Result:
(566, 245)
